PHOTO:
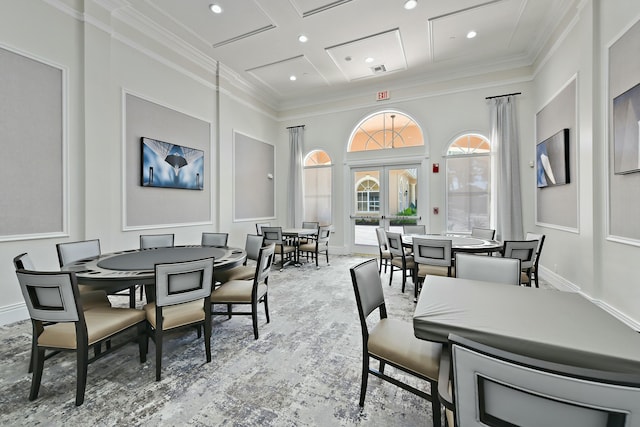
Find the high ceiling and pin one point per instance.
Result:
(257, 40)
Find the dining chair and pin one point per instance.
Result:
(391, 341)
(319, 245)
(149, 241)
(483, 233)
(491, 386)
(308, 225)
(63, 322)
(383, 248)
(247, 292)
(182, 300)
(259, 226)
(534, 270)
(214, 239)
(246, 271)
(419, 229)
(400, 259)
(274, 235)
(488, 269)
(525, 250)
(70, 252)
(431, 257)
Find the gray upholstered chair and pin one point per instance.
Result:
(392, 341)
(319, 245)
(483, 233)
(247, 292)
(420, 229)
(259, 226)
(525, 250)
(533, 274)
(488, 268)
(431, 257)
(385, 255)
(491, 386)
(182, 299)
(149, 241)
(308, 225)
(63, 322)
(400, 259)
(274, 235)
(247, 270)
(214, 239)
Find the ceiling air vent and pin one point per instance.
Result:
(379, 69)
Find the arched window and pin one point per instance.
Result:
(317, 187)
(469, 174)
(385, 130)
(368, 191)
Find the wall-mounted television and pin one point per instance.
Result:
(171, 166)
(552, 157)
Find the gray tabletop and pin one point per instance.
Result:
(458, 243)
(551, 325)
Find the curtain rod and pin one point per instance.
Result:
(506, 94)
(299, 126)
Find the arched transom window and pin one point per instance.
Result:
(386, 130)
(368, 191)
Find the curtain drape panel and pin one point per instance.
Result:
(504, 136)
(295, 201)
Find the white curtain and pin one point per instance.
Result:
(504, 136)
(295, 201)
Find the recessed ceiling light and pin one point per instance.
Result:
(368, 60)
(302, 38)
(471, 34)
(293, 78)
(215, 8)
(410, 4)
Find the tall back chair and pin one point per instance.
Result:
(525, 250)
(182, 299)
(385, 255)
(274, 235)
(310, 225)
(432, 257)
(494, 387)
(259, 226)
(483, 233)
(60, 322)
(247, 292)
(23, 262)
(245, 271)
(215, 239)
(534, 270)
(149, 241)
(488, 268)
(420, 229)
(319, 245)
(399, 258)
(392, 341)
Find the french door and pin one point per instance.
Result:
(382, 196)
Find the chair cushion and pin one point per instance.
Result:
(236, 292)
(174, 316)
(242, 272)
(308, 247)
(393, 340)
(285, 249)
(432, 270)
(410, 264)
(524, 278)
(102, 322)
(94, 299)
(386, 254)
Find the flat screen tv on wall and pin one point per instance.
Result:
(171, 166)
(553, 160)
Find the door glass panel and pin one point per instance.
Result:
(367, 206)
(403, 198)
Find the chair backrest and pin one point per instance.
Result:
(214, 239)
(260, 225)
(540, 238)
(525, 250)
(265, 261)
(310, 225)
(272, 235)
(181, 282)
(483, 233)
(148, 241)
(74, 251)
(324, 233)
(493, 387)
(252, 246)
(432, 251)
(415, 229)
(23, 262)
(50, 296)
(381, 234)
(488, 268)
(394, 244)
(368, 290)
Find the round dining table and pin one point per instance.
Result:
(459, 243)
(121, 270)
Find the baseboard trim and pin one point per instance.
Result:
(13, 313)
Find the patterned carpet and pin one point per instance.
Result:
(304, 370)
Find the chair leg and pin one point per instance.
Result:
(254, 318)
(34, 350)
(365, 377)
(158, 353)
(82, 356)
(132, 297)
(229, 310)
(143, 341)
(207, 338)
(404, 279)
(382, 365)
(38, 367)
(390, 274)
(327, 256)
(266, 306)
(380, 267)
(435, 405)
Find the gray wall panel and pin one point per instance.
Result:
(254, 191)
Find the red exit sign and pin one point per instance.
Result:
(382, 95)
